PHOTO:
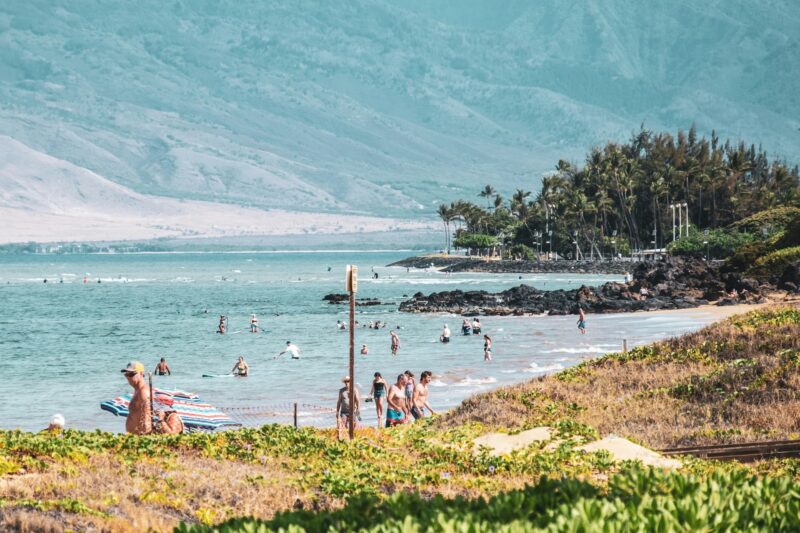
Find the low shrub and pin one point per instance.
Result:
(774, 263)
(769, 221)
(637, 499)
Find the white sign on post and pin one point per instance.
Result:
(351, 279)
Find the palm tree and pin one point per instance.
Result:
(487, 193)
(446, 215)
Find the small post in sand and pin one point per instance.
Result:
(295, 415)
(624, 345)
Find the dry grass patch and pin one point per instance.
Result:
(733, 381)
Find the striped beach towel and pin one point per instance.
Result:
(196, 414)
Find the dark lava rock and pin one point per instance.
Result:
(344, 298)
(673, 283)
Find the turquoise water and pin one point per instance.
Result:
(63, 343)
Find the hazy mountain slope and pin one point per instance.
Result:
(43, 198)
(381, 106)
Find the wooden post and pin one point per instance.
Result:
(152, 412)
(624, 345)
(352, 288)
(295, 415)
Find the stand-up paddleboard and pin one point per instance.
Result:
(220, 375)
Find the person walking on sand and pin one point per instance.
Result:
(581, 321)
(241, 368)
(445, 336)
(291, 349)
(396, 399)
(487, 348)
(420, 400)
(364, 349)
(253, 323)
(377, 392)
(395, 343)
(162, 368)
(139, 421)
(409, 390)
(343, 407)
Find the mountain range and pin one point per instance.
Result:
(372, 108)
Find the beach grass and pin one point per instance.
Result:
(734, 381)
(730, 382)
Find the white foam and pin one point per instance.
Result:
(466, 382)
(536, 369)
(580, 349)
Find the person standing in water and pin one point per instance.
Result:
(420, 400)
(378, 391)
(241, 369)
(395, 343)
(364, 349)
(253, 323)
(476, 326)
(445, 336)
(139, 421)
(581, 321)
(162, 368)
(222, 324)
(292, 349)
(466, 327)
(487, 348)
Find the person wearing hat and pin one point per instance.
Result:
(139, 421)
(57, 423)
(343, 407)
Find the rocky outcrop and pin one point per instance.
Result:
(344, 298)
(675, 283)
(474, 264)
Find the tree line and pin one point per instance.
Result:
(620, 198)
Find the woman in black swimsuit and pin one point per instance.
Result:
(378, 391)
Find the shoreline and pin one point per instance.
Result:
(473, 371)
(453, 263)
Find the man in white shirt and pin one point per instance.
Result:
(292, 349)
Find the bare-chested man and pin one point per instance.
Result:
(395, 342)
(396, 399)
(163, 369)
(420, 401)
(139, 420)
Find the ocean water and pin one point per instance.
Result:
(62, 343)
